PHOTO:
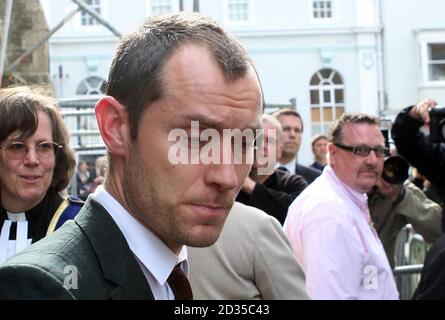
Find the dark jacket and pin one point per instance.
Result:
(429, 159)
(317, 166)
(276, 194)
(432, 283)
(87, 258)
(416, 148)
(308, 173)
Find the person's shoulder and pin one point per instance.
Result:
(49, 262)
(67, 210)
(319, 201)
(303, 168)
(242, 214)
(53, 253)
(63, 244)
(31, 282)
(308, 173)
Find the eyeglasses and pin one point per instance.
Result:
(363, 151)
(19, 150)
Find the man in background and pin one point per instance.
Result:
(292, 125)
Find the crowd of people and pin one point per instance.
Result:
(143, 227)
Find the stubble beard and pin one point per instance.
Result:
(144, 197)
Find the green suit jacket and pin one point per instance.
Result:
(87, 258)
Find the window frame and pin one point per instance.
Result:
(88, 16)
(334, 12)
(101, 83)
(250, 12)
(326, 85)
(149, 9)
(426, 62)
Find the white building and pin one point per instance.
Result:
(331, 56)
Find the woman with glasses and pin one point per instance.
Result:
(36, 164)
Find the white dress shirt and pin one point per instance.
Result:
(155, 258)
(290, 166)
(333, 239)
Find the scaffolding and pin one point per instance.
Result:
(80, 5)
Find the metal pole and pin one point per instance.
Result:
(380, 60)
(87, 9)
(8, 12)
(195, 5)
(13, 65)
(414, 268)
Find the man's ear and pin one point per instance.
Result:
(113, 124)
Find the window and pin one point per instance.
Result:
(321, 9)
(158, 7)
(85, 18)
(237, 10)
(87, 123)
(91, 85)
(327, 99)
(436, 61)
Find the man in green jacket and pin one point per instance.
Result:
(129, 241)
(393, 206)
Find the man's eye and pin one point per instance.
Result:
(363, 150)
(380, 151)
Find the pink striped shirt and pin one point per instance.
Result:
(333, 240)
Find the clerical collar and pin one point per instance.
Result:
(16, 216)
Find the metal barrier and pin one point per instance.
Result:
(409, 255)
(411, 269)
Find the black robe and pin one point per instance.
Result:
(38, 217)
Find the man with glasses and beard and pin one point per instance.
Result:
(329, 224)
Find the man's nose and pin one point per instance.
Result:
(372, 158)
(223, 176)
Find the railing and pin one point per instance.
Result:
(411, 269)
(80, 119)
(410, 254)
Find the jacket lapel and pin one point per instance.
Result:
(118, 263)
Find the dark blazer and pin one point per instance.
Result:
(308, 173)
(275, 195)
(432, 282)
(90, 247)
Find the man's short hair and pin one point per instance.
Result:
(136, 76)
(288, 112)
(316, 138)
(335, 132)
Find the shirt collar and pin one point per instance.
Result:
(147, 247)
(360, 199)
(16, 216)
(290, 166)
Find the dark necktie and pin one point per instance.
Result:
(179, 284)
(283, 168)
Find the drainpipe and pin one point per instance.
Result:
(380, 60)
